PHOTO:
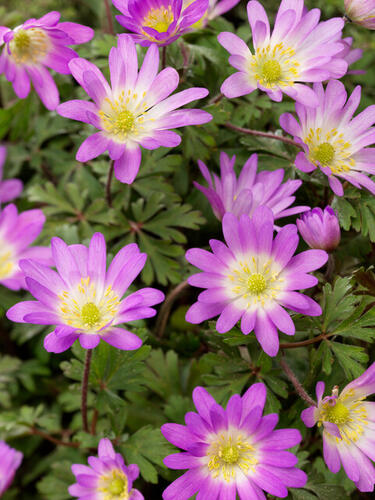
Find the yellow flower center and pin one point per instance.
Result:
(256, 283)
(229, 454)
(274, 66)
(336, 414)
(90, 314)
(329, 149)
(29, 46)
(159, 19)
(6, 260)
(117, 486)
(324, 153)
(114, 486)
(271, 71)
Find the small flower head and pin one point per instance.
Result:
(361, 12)
(298, 51)
(135, 112)
(11, 188)
(33, 47)
(253, 277)
(348, 428)
(17, 233)
(9, 463)
(320, 228)
(232, 451)
(216, 8)
(106, 478)
(83, 299)
(251, 189)
(159, 21)
(332, 139)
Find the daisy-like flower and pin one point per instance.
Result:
(361, 12)
(348, 428)
(232, 451)
(84, 300)
(9, 463)
(106, 478)
(300, 50)
(11, 188)
(17, 233)
(253, 278)
(135, 112)
(216, 8)
(320, 228)
(332, 139)
(250, 190)
(33, 47)
(159, 21)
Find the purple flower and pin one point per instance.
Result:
(216, 8)
(107, 478)
(9, 463)
(17, 233)
(159, 21)
(332, 140)
(83, 299)
(135, 112)
(253, 278)
(320, 228)
(33, 47)
(11, 188)
(232, 451)
(348, 428)
(361, 12)
(250, 190)
(351, 55)
(300, 50)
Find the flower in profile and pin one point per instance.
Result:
(351, 55)
(159, 21)
(9, 463)
(33, 47)
(135, 112)
(216, 8)
(253, 277)
(17, 233)
(348, 428)
(332, 139)
(361, 12)
(320, 228)
(250, 190)
(83, 299)
(300, 50)
(106, 478)
(232, 451)
(11, 188)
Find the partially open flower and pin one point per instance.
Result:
(10, 460)
(361, 12)
(320, 228)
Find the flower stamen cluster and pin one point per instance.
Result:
(29, 46)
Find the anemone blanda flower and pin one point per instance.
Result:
(83, 299)
(17, 233)
(9, 463)
(300, 50)
(320, 228)
(348, 428)
(361, 12)
(107, 478)
(11, 188)
(231, 451)
(33, 47)
(250, 190)
(135, 112)
(351, 55)
(332, 139)
(216, 8)
(159, 21)
(253, 278)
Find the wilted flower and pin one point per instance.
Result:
(250, 190)
(33, 47)
(231, 451)
(320, 228)
(332, 140)
(361, 12)
(159, 21)
(348, 428)
(11, 188)
(300, 50)
(83, 299)
(107, 478)
(216, 8)
(9, 463)
(253, 278)
(135, 112)
(17, 233)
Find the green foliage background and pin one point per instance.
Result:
(133, 393)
